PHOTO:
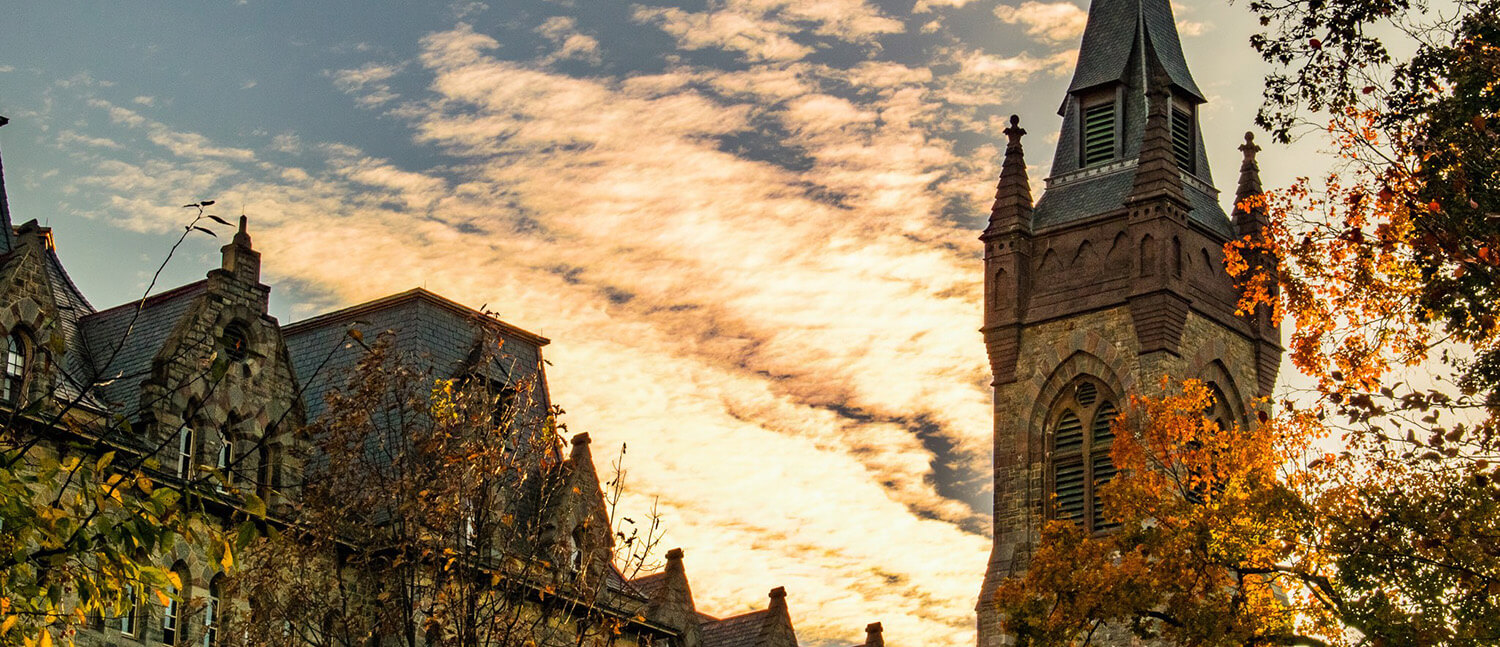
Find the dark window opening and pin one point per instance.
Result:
(1098, 133)
(236, 342)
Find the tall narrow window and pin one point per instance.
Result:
(185, 452)
(128, 618)
(1079, 441)
(211, 614)
(15, 368)
(225, 462)
(1182, 137)
(1098, 133)
(171, 618)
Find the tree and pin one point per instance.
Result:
(441, 512)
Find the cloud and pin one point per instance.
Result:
(754, 276)
(368, 82)
(926, 6)
(564, 34)
(764, 30)
(1049, 22)
(1193, 27)
(981, 78)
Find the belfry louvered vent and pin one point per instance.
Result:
(1182, 138)
(1098, 134)
(1103, 432)
(1102, 465)
(1068, 439)
(1068, 486)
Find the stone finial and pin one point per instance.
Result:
(674, 556)
(873, 635)
(1156, 172)
(1249, 183)
(1012, 208)
(581, 439)
(778, 594)
(242, 237)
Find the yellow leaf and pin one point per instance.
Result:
(163, 599)
(46, 640)
(228, 560)
(10, 621)
(175, 579)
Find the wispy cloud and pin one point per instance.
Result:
(755, 277)
(1050, 22)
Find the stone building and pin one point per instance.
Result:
(1112, 280)
(204, 379)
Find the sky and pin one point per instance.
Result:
(748, 226)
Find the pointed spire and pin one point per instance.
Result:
(1156, 174)
(873, 635)
(1012, 208)
(7, 234)
(1249, 184)
(1114, 28)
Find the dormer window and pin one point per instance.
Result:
(1182, 134)
(1098, 144)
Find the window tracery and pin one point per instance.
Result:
(1079, 439)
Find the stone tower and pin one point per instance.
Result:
(1112, 280)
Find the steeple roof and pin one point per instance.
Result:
(1119, 28)
(1129, 48)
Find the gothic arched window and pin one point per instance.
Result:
(1078, 442)
(16, 348)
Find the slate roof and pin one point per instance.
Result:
(72, 307)
(429, 329)
(104, 331)
(1123, 39)
(1067, 201)
(1115, 28)
(735, 631)
(647, 585)
(6, 234)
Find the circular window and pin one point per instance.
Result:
(236, 341)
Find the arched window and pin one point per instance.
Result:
(1219, 411)
(16, 347)
(185, 437)
(211, 613)
(1079, 440)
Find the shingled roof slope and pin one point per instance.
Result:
(72, 307)
(735, 631)
(1115, 28)
(104, 331)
